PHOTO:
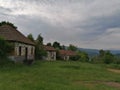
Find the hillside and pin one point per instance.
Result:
(93, 52)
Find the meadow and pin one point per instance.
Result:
(58, 75)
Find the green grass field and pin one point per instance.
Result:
(58, 75)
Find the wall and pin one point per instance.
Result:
(51, 55)
(20, 55)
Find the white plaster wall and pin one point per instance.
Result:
(23, 48)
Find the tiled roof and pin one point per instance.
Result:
(49, 48)
(11, 34)
(67, 52)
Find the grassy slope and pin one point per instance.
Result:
(56, 76)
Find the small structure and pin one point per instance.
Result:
(23, 47)
(66, 54)
(51, 53)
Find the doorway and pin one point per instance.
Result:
(26, 53)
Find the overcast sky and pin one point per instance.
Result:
(84, 23)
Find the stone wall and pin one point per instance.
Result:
(22, 52)
(51, 55)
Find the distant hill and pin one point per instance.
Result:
(115, 51)
(93, 52)
(90, 52)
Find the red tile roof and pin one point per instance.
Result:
(67, 52)
(49, 48)
(11, 34)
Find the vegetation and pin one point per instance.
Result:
(58, 75)
(5, 48)
(72, 47)
(30, 36)
(7, 23)
(57, 45)
(104, 57)
(49, 44)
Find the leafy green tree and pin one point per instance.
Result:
(56, 45)
(39, 51)
(108, 58)
(104, 57)
(49, 44)
(5, 48)
(101, 53)
(30, 36)
(39, 40)
(83, 56)
(72, 47)
(8, 23)
(63, 47)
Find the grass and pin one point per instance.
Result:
(58, 75)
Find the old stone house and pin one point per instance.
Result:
(24, 48)
(51, 53)
(66, 54)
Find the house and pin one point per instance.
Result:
(66, 54)
(24, 48)
(51, 52)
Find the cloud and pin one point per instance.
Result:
(85, 23)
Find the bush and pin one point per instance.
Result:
(5, 48)
(75, 58)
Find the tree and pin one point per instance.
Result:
(56, 45)
(104, 57)
(39, 51)
(63, 47)
(5, 48)
(39, 40)
(101, 53)
(72, 47)
(49, 44)
(83, 56)
(30, 36)
(8, 23)
(109, 57)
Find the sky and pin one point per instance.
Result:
(91, 24)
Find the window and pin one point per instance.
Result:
(32, 51)
(20, 50)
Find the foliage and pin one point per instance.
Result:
(5, 48)
(75, 58)
(72, 47)
(57, 45)
(30, 36)
(7, 23)
(104, 57)
(108, 57)
(63, 47)
(83, 56)
(39, 51)
(49, 44)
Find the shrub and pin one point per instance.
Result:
(5, 48)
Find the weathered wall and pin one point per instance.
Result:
(51, 55)
(20, 57)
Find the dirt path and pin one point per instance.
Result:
(108, 83)
(113, 84)
(114, 70)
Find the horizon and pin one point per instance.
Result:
(92, 24)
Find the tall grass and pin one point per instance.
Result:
(58, 75)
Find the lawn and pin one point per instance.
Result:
(58, 75)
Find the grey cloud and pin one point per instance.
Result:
(81, 22)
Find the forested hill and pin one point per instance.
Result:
(93, 52)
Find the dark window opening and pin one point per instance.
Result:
(20, 50)
(32, 51)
